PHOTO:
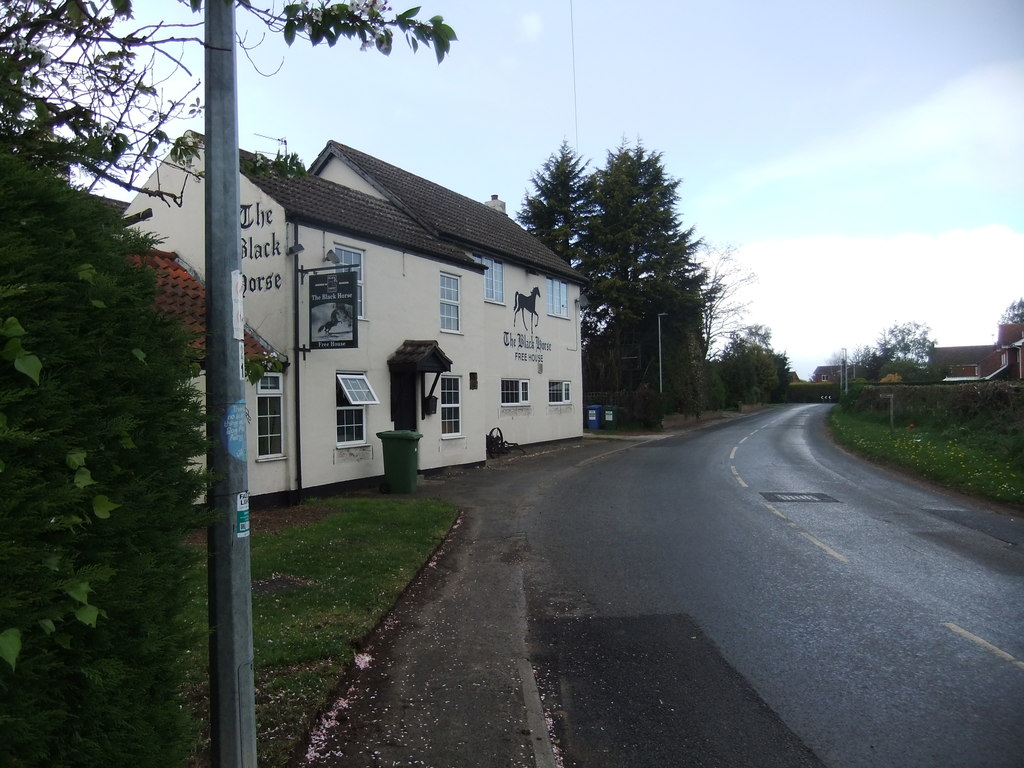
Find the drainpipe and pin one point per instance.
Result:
(297, 248)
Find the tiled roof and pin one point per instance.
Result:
(453, 216)
(969, 355)
(418, 354)
(181, 295)
(335, 207)
(118, 205)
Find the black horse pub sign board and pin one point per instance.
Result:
(333, 322)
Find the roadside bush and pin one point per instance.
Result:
(98, 423)
(813, 392)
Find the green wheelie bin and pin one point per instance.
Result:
(401, 460)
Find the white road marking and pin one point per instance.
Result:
(825, 547)
(982, 643)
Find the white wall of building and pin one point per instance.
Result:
(539, 350)
(401, 300)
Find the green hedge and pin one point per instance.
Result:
(813, 392)
(98, 422)
(989, 410)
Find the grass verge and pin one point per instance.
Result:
(318, 590)
(970, 461)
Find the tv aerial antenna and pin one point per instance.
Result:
(282, 143)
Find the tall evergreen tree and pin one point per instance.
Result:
(557, 211)
(640, 263)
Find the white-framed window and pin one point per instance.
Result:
(558, 297)
(270, 416)
(559, 392)
(450, 302)
(451, 406)
(354, 261)
(515, 391)
(494, 278)
(352, 395)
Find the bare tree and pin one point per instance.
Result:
(723, 311)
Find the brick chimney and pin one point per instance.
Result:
(496, 204)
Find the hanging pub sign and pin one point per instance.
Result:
(333, 321)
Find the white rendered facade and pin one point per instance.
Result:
(493, 321)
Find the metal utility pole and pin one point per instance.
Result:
(232, 698)
(661, 386)
(845, 382)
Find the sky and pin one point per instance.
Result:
(864, 161)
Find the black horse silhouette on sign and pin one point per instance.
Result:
(526, 304)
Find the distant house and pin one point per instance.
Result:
(826, 373)
(1002, 360)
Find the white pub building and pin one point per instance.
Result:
(393, 304)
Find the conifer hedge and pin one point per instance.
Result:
(98, 424)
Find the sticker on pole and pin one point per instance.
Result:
(234, 430)
(242, 515)
(237, 313)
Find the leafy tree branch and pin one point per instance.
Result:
(81, 89)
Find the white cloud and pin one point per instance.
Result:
(969, 132)
(819, 294)
(531, 27)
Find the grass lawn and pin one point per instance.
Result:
(973, 461)
(318, 589)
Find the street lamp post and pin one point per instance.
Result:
(845, 385)
(661, 385)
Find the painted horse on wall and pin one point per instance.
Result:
(524, 304)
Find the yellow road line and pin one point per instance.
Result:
(981, 642)
(774, 511)
(738, 478)
(732, 455)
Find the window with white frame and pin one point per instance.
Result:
(354, 261)
(449, 302)
(515, 391)
(494, 278)
(558, 297)
(353, 394)
(559, 392)
(451, 406)
(270, 416)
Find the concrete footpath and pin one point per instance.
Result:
(446, 681)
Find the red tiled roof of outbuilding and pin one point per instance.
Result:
(181, 295)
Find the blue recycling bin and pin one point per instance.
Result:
(593, 420)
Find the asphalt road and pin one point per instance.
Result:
(740, 595)
(751, 595)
